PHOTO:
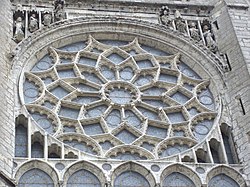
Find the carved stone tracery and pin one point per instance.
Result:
(66, 57)
(117, 91)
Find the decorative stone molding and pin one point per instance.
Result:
(132, 166)
(228, 171)
(86, 166)
(37, 164)
(127, 166)
(183, 170)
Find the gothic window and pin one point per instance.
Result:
(228, 144)
(37, 148)
(223, 181)
(85, 95)
(215, 149)
(21, 141)
(83, 178)
(21, 136)
(54, 151)
(131, 179)
(35, 178)
(177, 180)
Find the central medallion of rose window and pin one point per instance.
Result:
(121, 92)
(120, 96)
(121, 100)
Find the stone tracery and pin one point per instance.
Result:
(87, 95)
(111, 146)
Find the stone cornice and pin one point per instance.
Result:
(146, 7)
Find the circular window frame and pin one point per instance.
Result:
(72, 31)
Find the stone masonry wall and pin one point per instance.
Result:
(241, 23)
(5, 181)
(6, 93)
(232, 40)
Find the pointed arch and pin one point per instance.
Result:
(141, 174)
(182, 171)
(87, 171)
(41, 168)
(227, 172)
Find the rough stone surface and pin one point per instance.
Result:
(6, 94)
(233, 37)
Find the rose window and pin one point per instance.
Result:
(120, 100)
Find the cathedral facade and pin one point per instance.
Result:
(125, 93)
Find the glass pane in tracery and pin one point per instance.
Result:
(174, 149)
(85, 99)
(96, 111)
(108, 73)
(74, 47)
(149, 113)
(127, 73)
(59, 92)
(142, 80)
(31, 91)
(87, 61)
(21, 141)
(93, 129)
(223, 181)
(37, 150)
(44, 64)
(144, 63)
(156, 103)
(43, 121)
(66, 73)
(106, 145)
(35, 178)
(126, 136)
(177, 180)
(180, 98)
(157, 132)
(92, 77)
(131, 179)
(114, 118)
(84, 87)
(128, 156)
(167, 78)
(115, 58)
(132, 119)
(120, 96)
(154, 91)
(83, 178)
(80, 145)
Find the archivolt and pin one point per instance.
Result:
(38, 164)
(230, 172)
(132, 166)
(183, 170)
(86, 166)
